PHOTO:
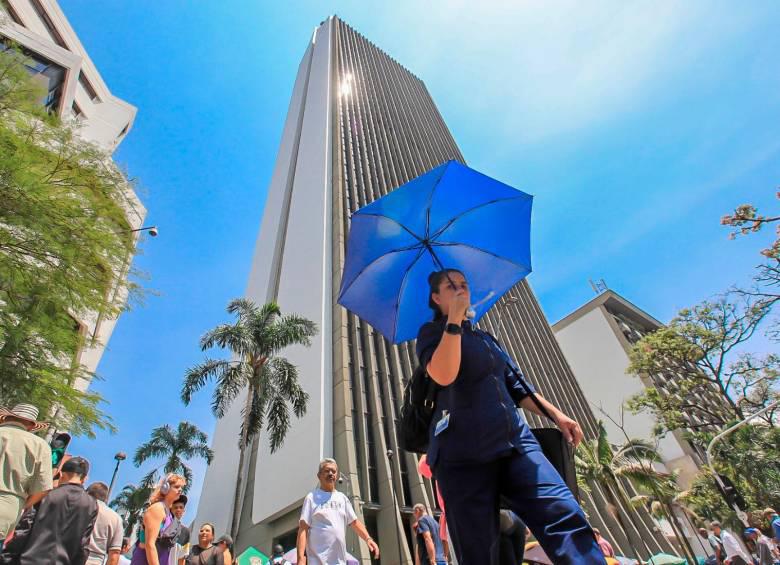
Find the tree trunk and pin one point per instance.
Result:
(613, 502)
(684, 543)
(234, 523)
(629, 507)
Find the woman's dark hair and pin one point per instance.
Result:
(434, 281)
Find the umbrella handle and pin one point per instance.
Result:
(471, 313)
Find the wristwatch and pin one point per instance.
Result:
(454, 329)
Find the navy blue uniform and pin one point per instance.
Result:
(486, 451)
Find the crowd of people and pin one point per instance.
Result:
(755, 549)
(51, 515)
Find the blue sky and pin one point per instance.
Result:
(635, 125)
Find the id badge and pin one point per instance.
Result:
(443, 423)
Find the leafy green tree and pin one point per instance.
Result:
(270, 382)
(65, 241)
(130, 503)
(750, 458)
(176, 446)
(701, 356)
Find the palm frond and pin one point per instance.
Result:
(639, 449)
(244, 308)
(278, 421)
(233, 337)
(603, 449)
(229, 384)
(290, 330)
(153, 448)
(285, 377)
(196, 377)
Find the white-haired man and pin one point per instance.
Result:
(322, 530)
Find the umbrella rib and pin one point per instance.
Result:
(417, 237)
(401, 290)
(482, 205)
(368, 265)
(474, 247)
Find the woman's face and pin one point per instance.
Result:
(206, 535)
(448, 289)
(175, 492)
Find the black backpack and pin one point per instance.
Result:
(417, 411)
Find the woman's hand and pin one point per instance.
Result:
(571, 430)
(457, 311)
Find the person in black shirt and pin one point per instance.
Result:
(64, 520)
(205, 552)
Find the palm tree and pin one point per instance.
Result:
(131, 502)
(634, 461)
(596, 463)
(186, 442)
(271, 382)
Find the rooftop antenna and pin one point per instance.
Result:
(598, 286)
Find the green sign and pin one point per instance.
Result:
(253, 556)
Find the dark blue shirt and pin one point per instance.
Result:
(428, 524)
(484, 423)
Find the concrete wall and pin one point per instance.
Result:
(292, 266)
(599, 362)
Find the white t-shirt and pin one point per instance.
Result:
(327, 514)
(732, 547)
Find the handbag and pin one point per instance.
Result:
(417, 411)
(555, 448)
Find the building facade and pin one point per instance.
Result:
(596, 340)
(358, 126)
(75, 91)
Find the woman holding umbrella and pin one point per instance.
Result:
(481, 450)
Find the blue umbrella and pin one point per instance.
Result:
(450, 217)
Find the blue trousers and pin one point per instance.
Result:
(533, 489)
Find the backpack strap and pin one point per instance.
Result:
(518, 374)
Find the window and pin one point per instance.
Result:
(48, 75)
(90, 90)
(47, 23)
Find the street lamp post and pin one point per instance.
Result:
(153, 231)
(740, 513)
(119, 457)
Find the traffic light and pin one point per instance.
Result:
(730, 492)
(59, 446)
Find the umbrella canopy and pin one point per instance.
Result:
(451, 217)
(666, 559)
(292, 557)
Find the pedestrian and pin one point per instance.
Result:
(159, 528)
(123, 560)
(481, 450)
(105, 543)
(735, 554)
(774, 522)
(25, 464)
(64, 520)
(763, 546)
(225, 549)
(204, 552)
(606, 547)
(179, 555)
(277, 557)
(430, 550)
(424, 469)
(716, 544)
(512, 531)
(322, 528)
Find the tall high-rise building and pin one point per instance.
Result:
(359, 125)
